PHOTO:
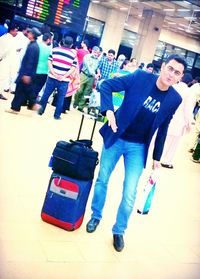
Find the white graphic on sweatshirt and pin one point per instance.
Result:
(151, 104)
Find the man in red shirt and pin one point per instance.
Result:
(81, 52)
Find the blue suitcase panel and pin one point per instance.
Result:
(65, 201)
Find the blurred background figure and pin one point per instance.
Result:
(119, 96)
(7, 23)
(21, 43)
(24, 88)
(150, 68)
(8, 50)
(121, 59)
(195, 90)
(81, 52)
(42, 66)
(180, 123)
(133, 64)
(4, 27)
(141, 66)
(87, 78)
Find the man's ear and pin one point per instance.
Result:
(180, 79)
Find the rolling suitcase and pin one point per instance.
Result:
(75, 159)
(67, 195)
(65, 201)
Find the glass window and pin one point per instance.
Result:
(190, 59)
(94, 27)
(129, 39)
(160, 50)
(197, 62)
(168, 51)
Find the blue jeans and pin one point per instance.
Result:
(133, 154)
(62, 87)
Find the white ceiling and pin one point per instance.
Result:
(182, 17)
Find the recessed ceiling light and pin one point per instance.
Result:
(168, 10)
(183, 10)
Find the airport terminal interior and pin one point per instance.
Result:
(163, 244)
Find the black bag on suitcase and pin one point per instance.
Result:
(75, 159)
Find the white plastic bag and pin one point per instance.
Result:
(94, 101)
(148, 194)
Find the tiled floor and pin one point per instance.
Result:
(162, 245)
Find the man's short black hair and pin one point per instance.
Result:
(46, 36)
(12, 27)
(187, 78)
(111, 51)
(178, 59)
(150, 65)
(67, 41)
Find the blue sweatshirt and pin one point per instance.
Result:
(138, 87)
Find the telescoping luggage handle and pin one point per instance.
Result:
(93, 129)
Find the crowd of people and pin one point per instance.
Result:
(136, 102)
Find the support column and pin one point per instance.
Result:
(113, 30)
(149, 32)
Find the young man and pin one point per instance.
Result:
(42, 67)
(149, 104)
(107, 65)
(62, 63)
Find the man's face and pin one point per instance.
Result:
(110, 56)
(149, 69)
(171, 73)
(95, 53)
(30, 36)
(14, 32)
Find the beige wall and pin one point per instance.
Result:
(102, 13)
(180, 41)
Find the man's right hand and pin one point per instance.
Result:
(111, 120)
(26, 79)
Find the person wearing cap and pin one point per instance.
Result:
(62, 63)
(24, 89)
(87, 78)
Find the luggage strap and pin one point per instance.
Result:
(82, 119)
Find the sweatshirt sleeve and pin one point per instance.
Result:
(116, 84)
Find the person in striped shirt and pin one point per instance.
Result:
(62, 63)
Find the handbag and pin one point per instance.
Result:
(75, 158)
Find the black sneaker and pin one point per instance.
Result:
(2, 97)
(118, 242)
(92, 225)
(168, 166)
